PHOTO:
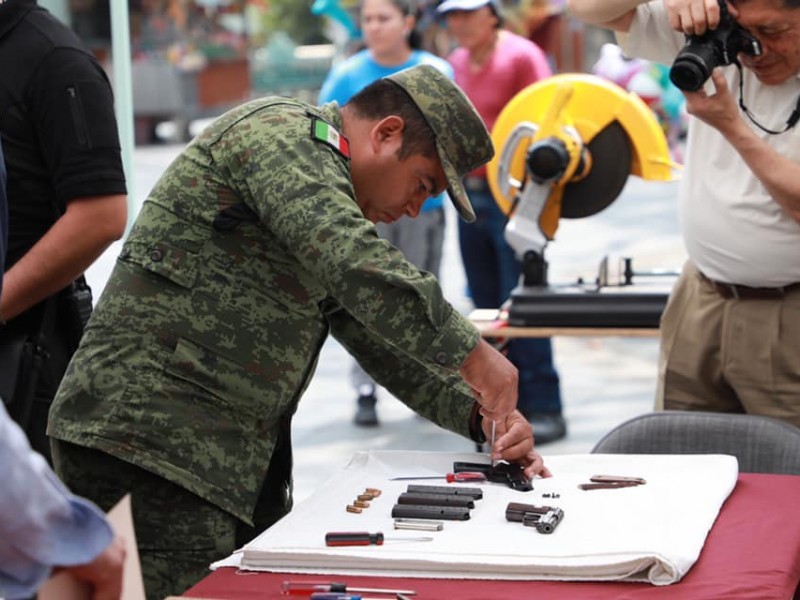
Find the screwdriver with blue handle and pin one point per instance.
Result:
(341, 596)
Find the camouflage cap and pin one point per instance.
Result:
(462, 140)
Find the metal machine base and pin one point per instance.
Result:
(575, 306)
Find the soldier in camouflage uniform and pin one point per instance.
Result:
(258, 242)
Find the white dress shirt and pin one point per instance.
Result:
(732, 228)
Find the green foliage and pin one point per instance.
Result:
(296, 19)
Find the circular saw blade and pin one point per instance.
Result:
(611, 153)
(594, 106)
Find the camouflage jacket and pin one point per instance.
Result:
(248, 252)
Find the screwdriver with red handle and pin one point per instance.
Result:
(365, 538)
(473, 476)
(307, 588)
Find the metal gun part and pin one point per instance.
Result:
(472, 492)
(436, 499)
(544, 518)
(446, 513)
(510, 474)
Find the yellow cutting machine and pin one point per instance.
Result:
(565, 148)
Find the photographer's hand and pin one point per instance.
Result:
(779, 174)
(718, 110)
(693, 17)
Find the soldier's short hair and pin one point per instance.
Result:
(383, 98)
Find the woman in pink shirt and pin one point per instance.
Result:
(492, 65)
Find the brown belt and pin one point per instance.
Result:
(744, 292)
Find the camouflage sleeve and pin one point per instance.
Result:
(436, 393)
(302, 192)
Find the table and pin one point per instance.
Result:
(752, 552)
(490, 326)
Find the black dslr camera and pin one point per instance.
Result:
(715, 48)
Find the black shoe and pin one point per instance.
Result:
(547, 427)
(366, 415)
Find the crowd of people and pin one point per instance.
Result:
(285, 222)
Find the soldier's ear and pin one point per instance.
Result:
(391, 126)
(389, 130)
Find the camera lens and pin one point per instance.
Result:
(695, 61)
(689, 72)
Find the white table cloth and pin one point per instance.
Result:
(653, 532)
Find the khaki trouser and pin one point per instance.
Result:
(729, 355)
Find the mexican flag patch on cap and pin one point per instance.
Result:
(324, 132)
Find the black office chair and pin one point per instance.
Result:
(761, 444)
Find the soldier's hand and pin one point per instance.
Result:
(104, 573)
(515, 443)
(493, 380)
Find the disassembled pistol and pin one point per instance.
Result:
(510, 474)
(544, 518)
(610, 482)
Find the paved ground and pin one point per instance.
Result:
(604, 380)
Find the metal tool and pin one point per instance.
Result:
(445, 513)
(610, 482)
(418, 524)
(305, 588)
(449, 477)
(473, 492)
(341, 596)
(617, 479)
(491, 443)
(606, 486)
(436, 499)
(364, 538)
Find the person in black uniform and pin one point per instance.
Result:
(66, 202)
(3, 216)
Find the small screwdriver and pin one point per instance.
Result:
(450, 477)
(491, 444)
(305, 588)
(341, 596)
(364, 538)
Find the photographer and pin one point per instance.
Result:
(730, 335)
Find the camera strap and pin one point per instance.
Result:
(790, 122)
